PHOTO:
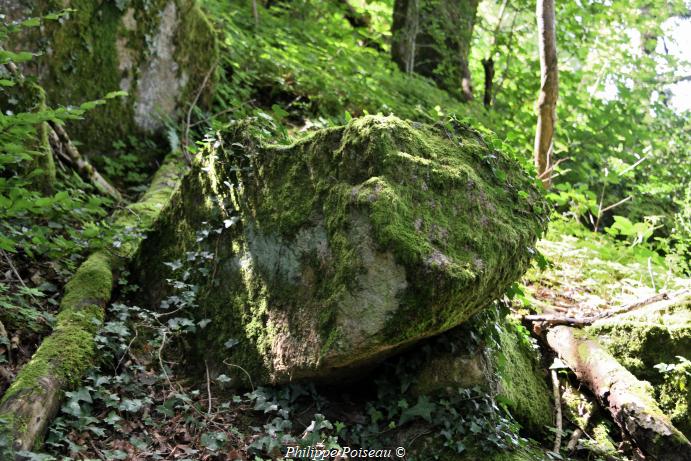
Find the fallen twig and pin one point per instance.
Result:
(557, 406)
(58, 136)
(188, 119)
(16, 273)
(208, 386)
(585, 321)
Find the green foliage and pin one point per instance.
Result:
(46, 221)
(613, 112)
(676, 374)
(307, 59)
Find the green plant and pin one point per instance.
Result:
(677, 374)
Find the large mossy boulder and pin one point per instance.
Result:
(158, 51)
(654, 343)
(336, 251)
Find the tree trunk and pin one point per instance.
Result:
(66, 355)
(549, 89)
(432, 38)
(627, 399)
(488, 66)
(353, 16)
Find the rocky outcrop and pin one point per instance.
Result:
(352, 243)
(159, 52)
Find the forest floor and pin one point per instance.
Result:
(590, 273)
(130, 409)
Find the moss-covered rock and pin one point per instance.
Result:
(354, 241)
(504, 364)
(158, 51)
(655, 334)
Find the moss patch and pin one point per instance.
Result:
(523, 386)
(65, 356)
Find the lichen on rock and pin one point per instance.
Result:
(347, 245)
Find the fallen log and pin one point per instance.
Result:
(627, 399)
(65, 356)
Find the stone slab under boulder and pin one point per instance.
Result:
(497, 355)
(336, 251)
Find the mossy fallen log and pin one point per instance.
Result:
(66, 355)
(649, 340)
(628, 400)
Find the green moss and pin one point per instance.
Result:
(65, 356)
(100, 48)
(9, 424)
(523, 386)
(67, 353)
(428, 447)
(600, 442)
(82, 65)
(196, 51)
(504, 365)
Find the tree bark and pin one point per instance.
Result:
(627, 399)
(66, 355)
(432, 39)
(549, 88)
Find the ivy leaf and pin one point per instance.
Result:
(214, 441)
(131, 405)
(232, 342)
(422, 409)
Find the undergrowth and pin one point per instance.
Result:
(139, 402)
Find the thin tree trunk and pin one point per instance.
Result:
(432, 38)
(627, 399)
(488, 63)
(354, 17)
(549, 88)
(488, 66)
